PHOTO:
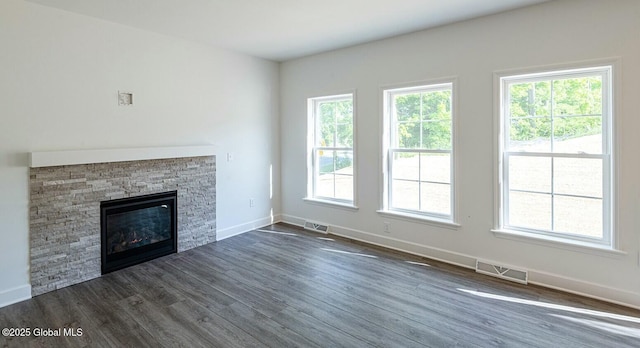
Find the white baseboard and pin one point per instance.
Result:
(450, 257)
(293, 220)
(246, 227)
(15, 295)
(587, 289)
(548, 280)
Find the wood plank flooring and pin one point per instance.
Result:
(285, 287)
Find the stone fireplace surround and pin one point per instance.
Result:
(64, 213)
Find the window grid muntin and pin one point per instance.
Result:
(419, 181)
(552, 194)
(394, 147)
(552, 117)
(604, 73)
(422, 90)
(333, 173)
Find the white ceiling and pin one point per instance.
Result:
(284, 29)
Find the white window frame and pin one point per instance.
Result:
(312, 148)
(502, 227)
(388, 134)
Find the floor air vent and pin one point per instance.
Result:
(314, 226)
(502, 272)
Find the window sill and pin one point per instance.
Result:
(332, 204)
(420, 219)
(577, 246)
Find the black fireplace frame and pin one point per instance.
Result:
(144, 253)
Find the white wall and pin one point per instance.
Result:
(59, 77)
(557, 32)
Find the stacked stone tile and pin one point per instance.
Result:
(64, 214)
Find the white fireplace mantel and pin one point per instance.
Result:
(72, 157)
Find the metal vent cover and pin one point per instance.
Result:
(316, 226)
(502, 272)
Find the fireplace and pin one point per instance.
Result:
(64, 216)
(137, 229)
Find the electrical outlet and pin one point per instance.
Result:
(386, 227)
(252, 202)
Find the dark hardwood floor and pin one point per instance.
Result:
(285, 287)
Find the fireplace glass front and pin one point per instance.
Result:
(137, 229)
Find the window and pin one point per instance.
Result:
(419, 150)
(555, 154)
(331, 155)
